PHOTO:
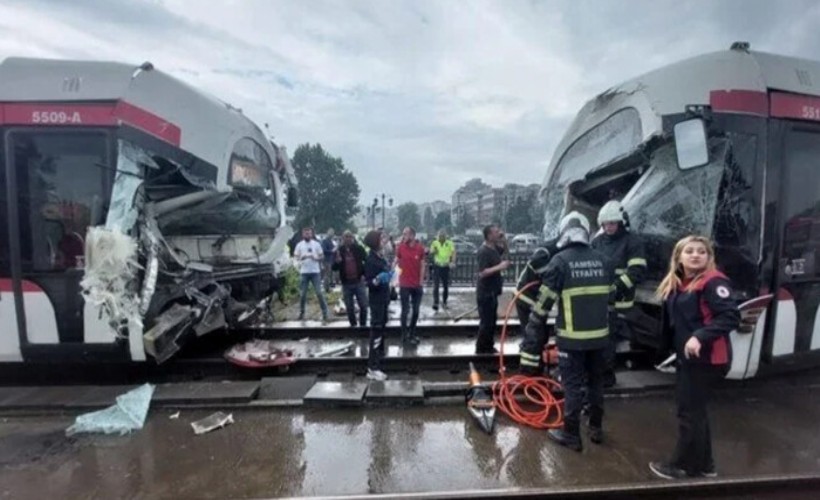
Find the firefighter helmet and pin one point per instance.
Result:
(612, 211)
(574, 228)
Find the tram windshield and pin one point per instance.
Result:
(614, 137)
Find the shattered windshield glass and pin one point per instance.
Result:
(614, 137)
(243, 212)
(670, 202)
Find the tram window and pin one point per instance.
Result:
(250, 165)
(801, 239)
(62, 190)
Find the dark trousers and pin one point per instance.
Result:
(441, 274)
(523, 310)
(577, 367)
(410, 297)
(357, 291)
(327, 272)
(694, 383)
(618, 331)
(379, 302)
(534, 339)
(488, 317)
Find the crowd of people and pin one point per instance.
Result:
(591, 280)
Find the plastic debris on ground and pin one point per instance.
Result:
(211, 422)
(174, 416)
(126, 415)
(335, 351)
(259, 354)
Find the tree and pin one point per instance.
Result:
(443, 221)
(465, 222)
(409, 216)
(328, 192)
(519, 215)
(428, 221)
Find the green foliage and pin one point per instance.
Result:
(328, 192)
(428, 221)
(520, 216)
(409, 216)
(465, 222)
(290, 286)
(443, 221)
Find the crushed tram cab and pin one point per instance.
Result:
(725, 145)
(136, 212)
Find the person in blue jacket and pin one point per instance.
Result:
(377, 275)
(699, 313)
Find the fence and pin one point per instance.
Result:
(465, 271)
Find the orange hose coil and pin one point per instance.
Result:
(526, 400)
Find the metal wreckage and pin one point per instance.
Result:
(181, 257)
(163, 206)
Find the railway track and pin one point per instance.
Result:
(442, 348)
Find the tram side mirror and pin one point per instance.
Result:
(690, 144)
(293, 197)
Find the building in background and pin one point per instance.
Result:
(476, 203)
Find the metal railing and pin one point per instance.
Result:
(465, 271)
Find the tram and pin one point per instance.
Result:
(136, 212)
(725, 145)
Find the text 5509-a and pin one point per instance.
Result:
(58, 117)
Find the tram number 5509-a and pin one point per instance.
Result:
(56, 117)
(811, 112)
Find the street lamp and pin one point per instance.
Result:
(376, 202)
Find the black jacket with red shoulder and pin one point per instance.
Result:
(708, 312)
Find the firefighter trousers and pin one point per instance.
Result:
(578, 367)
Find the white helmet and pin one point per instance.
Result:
(574, 228)
(612, 211)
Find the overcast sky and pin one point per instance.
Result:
(416, 96)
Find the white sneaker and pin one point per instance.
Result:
(377, 375)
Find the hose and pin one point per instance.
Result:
(526, 400)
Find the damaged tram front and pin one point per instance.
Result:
(137, 213)
(725, 145)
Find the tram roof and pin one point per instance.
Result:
(209, 128)
(669, 89)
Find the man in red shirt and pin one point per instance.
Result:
(410, 259)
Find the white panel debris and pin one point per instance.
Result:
(110, 272)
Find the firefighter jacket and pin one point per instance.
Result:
(532, 274)
(625, 253)
(708, 312)
(580, 280)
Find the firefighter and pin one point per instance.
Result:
(625, 252)
(579, 279)
(700, 312)
(536, 266)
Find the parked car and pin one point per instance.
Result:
(524, 243)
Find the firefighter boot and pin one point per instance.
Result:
(569, 436)
(596, 430)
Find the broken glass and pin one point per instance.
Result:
(243, 212)
(614, 137)
(672, 203)
(123, 213)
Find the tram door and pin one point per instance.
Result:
(63, 180)
(797, 324)
(9, 336)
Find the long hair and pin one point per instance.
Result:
(674, 277)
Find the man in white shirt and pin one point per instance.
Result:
(309, 255)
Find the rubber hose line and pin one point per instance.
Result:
(526, 400)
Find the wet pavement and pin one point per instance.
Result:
(461, 302)
(290, 452)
